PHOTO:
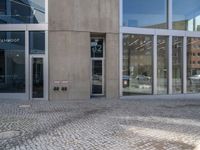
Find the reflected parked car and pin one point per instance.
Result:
(143, 78)
(194, 77)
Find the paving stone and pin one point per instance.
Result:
(101, 125)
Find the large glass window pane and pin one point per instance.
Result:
(37, 42)
(193, 65)
(22, 11)
(137, 64)
(162, 76)
(12, 62)
(186, 15)
(177, 52)
(145, 13)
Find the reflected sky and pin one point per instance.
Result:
(143, 13)
(187, 15)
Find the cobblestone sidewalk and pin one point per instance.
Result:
(100, 125)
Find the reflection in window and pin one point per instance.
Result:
(193, 69)
(162, 76)
(37, 42)
(137, 64)
(144, 13)
(2, 10)
(12, 62)
(96, 48)
(22, 11)
(177, 51)
(186, 15)
(2, 7)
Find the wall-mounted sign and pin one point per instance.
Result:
(64, 82)
(14, 40)
(56, 82)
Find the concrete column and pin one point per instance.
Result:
(112, 66)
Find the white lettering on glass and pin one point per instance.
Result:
(9, 40)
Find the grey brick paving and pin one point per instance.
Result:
(100, 125)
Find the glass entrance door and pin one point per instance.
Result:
(97, 66)
(97, 77)
(37, 90)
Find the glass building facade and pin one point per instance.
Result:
(23, 51)
(22, 11)
(160, 47)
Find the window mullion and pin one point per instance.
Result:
(169, 14)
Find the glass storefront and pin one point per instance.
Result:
(23, 32)
(137, 74)
(162, 64)
(193, 65)
(186, 15)
(22, 11)
(12, 62)
(174, 56)
(137, 64)
(144, 13)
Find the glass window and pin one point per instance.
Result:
(177, 53)
(12, 62)
(162, 76)
(193, 70)
(37, 42)
(22, 11)
(137, 64)
(96, 48)
(2, 10)
(2, 7)
(186, 15)
(144, 13)
(37, 78)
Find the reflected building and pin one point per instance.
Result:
(22, 11)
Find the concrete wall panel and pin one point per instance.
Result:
(84, 15)
(71, 22)
(69, 59)
(112, 65)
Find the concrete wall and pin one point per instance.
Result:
(71, 23)
(84, 15)
(112, 66)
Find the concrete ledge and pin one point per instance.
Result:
(163, 97)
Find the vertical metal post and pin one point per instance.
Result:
(121, 63)
(185, 65)
(27, 72)
(170, 69)
(170, 9)
(155, 68)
